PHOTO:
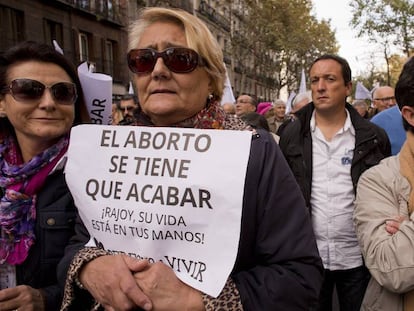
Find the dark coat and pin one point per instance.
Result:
(278, 265)
(55, 221)
(371, 146)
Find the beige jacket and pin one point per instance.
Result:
(382, 194)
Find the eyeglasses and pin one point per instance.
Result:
(31, 90)
(178, 60)
(127, 108)
(243, 101)
(386, 99)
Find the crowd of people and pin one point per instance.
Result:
(327, 199)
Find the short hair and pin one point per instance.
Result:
(279, 102)
(129, 97)
(404, 90)
(253, 101)
(360, 102)
(301, 96)
(256, 120)
(345, 68)
(34, 51)
(198, 36)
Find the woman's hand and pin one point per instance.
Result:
(22, 297)
(110, 281)
(393, 225)
(166, 291)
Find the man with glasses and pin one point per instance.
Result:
(389, 119)
(245, 104)
(127, 105)
(383, 97)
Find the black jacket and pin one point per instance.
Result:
(55, 221)
(371, 146)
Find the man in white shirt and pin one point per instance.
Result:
(327, 147)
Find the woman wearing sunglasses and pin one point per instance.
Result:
(179, 74)
(40, 100)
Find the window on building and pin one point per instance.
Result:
(83, 47)
(84, 4)
(53, 31)
(109, 48)
(12, 27)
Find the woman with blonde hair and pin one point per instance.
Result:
(179, 74)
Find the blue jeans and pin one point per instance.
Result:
(350, 287)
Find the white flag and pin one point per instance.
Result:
(131, 89)
(289, 103)
(57, 47)
(302, 87)
(228, 96)
(361, 92)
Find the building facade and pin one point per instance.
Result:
(95, 31)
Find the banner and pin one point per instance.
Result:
(166, 194)
(97, 90)
(361, 92)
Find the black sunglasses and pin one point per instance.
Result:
(177, 59)
(30, 90)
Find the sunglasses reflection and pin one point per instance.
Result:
(29, 90)
(177, 59)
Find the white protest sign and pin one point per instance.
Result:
(169, 194)
(97, 90)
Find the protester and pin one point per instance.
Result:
(127, 105)
(361, 106)
(256, 120)
(116, 114)
(264, 107)
(229, 108)
(179, 72)
(299, 101)
(383, 97)
(327, 147)
(245, 104)
(40, 100)
(278, 117)
(383, 215)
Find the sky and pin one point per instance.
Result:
(356, 51)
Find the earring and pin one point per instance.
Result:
(3, 114)
(209, 99)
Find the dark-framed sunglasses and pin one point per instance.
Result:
(64, 93)
(177, 59)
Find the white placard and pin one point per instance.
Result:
(97, 90)
(169, 194)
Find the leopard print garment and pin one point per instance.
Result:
(228, 300)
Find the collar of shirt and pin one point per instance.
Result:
(347, 125)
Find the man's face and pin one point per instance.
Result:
(280, 110)
(127, 107)
(244, 104)
(384, 98)
(329, 90)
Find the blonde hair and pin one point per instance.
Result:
(198, 36)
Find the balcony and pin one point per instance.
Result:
(107, 10)
(211, 13)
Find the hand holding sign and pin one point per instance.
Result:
(150, 193)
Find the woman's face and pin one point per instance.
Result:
(165, 96)
(38, 122)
